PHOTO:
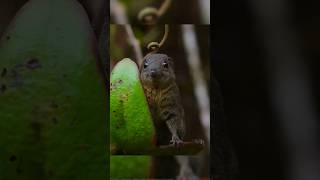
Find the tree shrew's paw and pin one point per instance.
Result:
(176, 141)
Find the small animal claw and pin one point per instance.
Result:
(199, 141)
(176, 141)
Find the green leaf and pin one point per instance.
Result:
(130, 166)
(53, 97)
(131, 125)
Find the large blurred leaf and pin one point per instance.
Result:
(52, 98)
(130, 167)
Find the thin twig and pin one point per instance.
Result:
(164, 7)
(120, 17)
(200, 88)
(204, 6)
(135, 44)
(200, 85)
(118, 12)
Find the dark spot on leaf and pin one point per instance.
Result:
(8, 37)
(4, 72)
(54, 105)
(119, 124)
(114, 111)
(84, 146)
(36, 126)
(50, 172)
(13, 158)
(3, 88)
(18, 170)
(120, 81)
(55, 120)
(33, 63)
(64, 75)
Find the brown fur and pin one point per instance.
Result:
(158, 80)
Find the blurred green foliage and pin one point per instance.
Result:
(52, 99)
(130, 167)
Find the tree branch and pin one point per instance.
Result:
(118, 12)
(135, 44)
(200, 86)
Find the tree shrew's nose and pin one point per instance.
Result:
(153, 73)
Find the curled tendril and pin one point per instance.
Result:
(153, 47)
(150, 15)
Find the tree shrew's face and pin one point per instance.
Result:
(157, 71)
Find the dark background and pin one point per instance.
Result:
(259, 54)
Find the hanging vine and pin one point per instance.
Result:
(150, 15)
(153, 47)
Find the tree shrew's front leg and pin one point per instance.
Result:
(172, 125)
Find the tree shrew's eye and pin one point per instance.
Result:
(165, 65)
(145, 65)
